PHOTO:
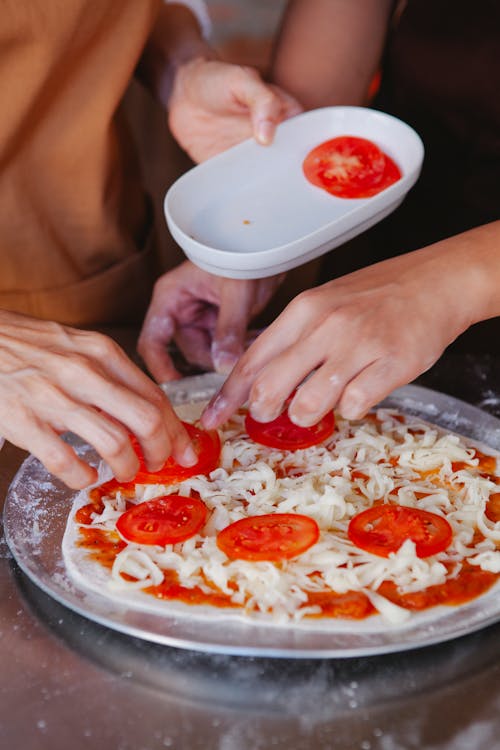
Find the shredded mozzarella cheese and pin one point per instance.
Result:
(383, 459)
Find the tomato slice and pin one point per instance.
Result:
(206, 444)
(272, 537)
(163, 520)
(350, 167)
(382, 529)
(283, 434)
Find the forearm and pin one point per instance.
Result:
(175, 40)
(328, 50)
(460, 273)
(473, 259)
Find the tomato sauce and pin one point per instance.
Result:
(111, 489)
(85, 514)
(170, 588)
(290, 471)
(359, 475)
(353, 605)
(487, 464)
(492, 511)
(102, 545)
(470, 583)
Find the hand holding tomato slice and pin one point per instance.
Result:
(283, 434)
(382, 529)
(350, 342)
(207, 447)
(164, 520)
(350, 167)
(272, 537)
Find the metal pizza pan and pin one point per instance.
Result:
(35, 517)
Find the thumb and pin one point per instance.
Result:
(236, 302)
(264, 104)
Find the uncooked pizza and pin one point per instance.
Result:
(348, 520)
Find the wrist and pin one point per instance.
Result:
(483, 255)
(191, 50)
(176, 40)
(471, 263)
(477, 254)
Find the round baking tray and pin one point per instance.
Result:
(36, 511)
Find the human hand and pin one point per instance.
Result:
(215, 105)
(358, 337)
(54, 379)
(206, 315)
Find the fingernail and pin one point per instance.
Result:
(225, 353)
(265, 132)
(210, 417)
(263, 412)
(130, 476)
(305, 420)
(224, 362)
(188, 457)
(352, 410)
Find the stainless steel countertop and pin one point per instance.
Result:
(68, 683)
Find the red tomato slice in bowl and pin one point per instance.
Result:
(271, 537)
(382, 529)
(283, 434)
(350, 167)
(163, 520)
(207, 447)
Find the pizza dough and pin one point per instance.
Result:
(385, 457)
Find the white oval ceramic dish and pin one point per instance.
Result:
(250, 212)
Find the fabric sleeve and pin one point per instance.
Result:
(200, 10)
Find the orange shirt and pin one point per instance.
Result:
(75, 223)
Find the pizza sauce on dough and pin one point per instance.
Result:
(285, 538)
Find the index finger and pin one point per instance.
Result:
(113, 383)
(296, 320)
(236, 389)
(236, 302)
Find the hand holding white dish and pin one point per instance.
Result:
(250, 212)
